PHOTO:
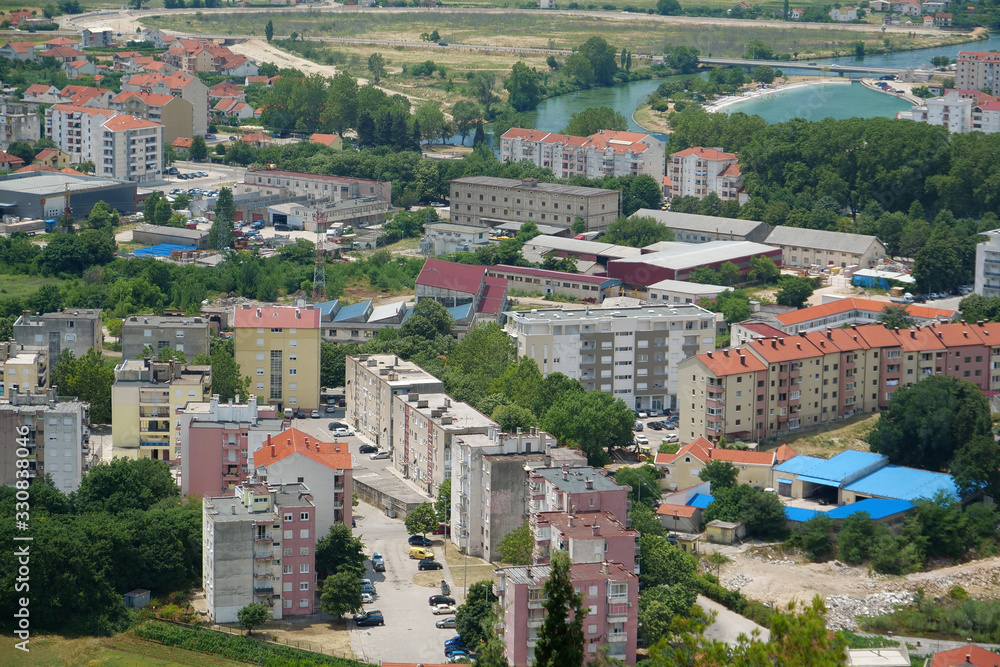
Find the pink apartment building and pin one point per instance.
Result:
(610, 593)
(587, 538)
(324, 467)
(217, 442)
(578, 491)
(259, 546)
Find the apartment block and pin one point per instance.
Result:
(425, 427)
(610, 593)
(278, 349)
(190, 335)
(769, 386)
(76, 330)
(130, 149)
(23, 368)
(604, 153)
(358, 322)
(976, 70)
(56, 434)
(217, 442)
(631, 353)
(371, 382)
(586, 538)
(325, 467)
(145, 400)
(18, 123)
(278, 182)
(576, 490)
(174, 113)
(487, 201)
(179, 84)
(988, 265)
(951, 110)
(697, 171)
(259, 546)
(489, 492)
(77, 131)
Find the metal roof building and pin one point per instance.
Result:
(903, 484)
(809, 247)
(43, 194)
(693, 228)
(678, 261)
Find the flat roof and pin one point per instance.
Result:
(405, 371)
(689, 288)
(682, 256)
(576, 481)
(701, 223)
(181, 232)
(904, 484)
(166, 320)
(876, 508)
(582, 247)
(463, 415)
(47, 183)
(579, 314)
(554, 188)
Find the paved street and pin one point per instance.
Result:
(729, 625)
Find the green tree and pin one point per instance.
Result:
(668, 7)
(684, 59)
(814, 537)
(763, 74)
(513, 417)
(428, 319)
(761, 512)
(340, 551)
(758, 49)
(124, 485)
(594, 119)
(515, 547)
(432, 121)
(896, 316)
(253, 615)
(524, 87)
(473, 615)
(492, 653)
(89, 378)
(640, 191)
(763, 269)
(466, 115)
(269, 31)
(64, 253)
(663, 564)
(643, 483)
(227, 380)
(423, 519)
(199, 150)
(602, 58)
(376, 66)
(945, 261)
(658, 606)
(637, 232)
(519, 382)
(795, 291)
(926, 423)
(442, 504)
(221, 233)
(645, 520)
(854, 541)
(976, 467)
(482, 85)
(594, 420)
(560, 639)
(341, 111)
(721, 474)
(341, 594)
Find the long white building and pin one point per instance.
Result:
(603, 153)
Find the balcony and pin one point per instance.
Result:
(617, 636)
(617, 611)
(263, 590)
(536, 603)
(267, 537)
(535, 622)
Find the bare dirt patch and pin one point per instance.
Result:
(321, 636)
(835, 438)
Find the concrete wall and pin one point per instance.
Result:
(227, 568)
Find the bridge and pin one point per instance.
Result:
(818, 67)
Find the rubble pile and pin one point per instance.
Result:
(843, 610)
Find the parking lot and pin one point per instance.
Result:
(409, 634)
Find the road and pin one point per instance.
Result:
(729, 625)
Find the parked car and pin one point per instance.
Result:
(330, 407)
(435, 600)
(670, 426)
(637, 426)
(443, 529)
(454, 642)
(459, 656)
(429, 565)
(421, 553)
(379, 456)
(418, 541)
(671, 437)
(368, 589)
(656, 426)
(366, 582)
(367, 598)
(369, 619)
(641, 440)
(441, 609)
(379, 566)
(446, 623)
(344, 432)
(376, 557)
(282, 228)
(454, 650)
(367, 449)
(314, 414)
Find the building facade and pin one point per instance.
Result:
(486, 201)
(694, 228)
(278, 349)
(76, 330)
(581, 286)
(179, 84)
(17, 123)
(259, 546)
(586, 538)
(576, 490)
(976, 70)
(631, 353)
(811, 247)
(174, 113)
(697, 171)
(988, 265)
(131, 149)
(190, 335)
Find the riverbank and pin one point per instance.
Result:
(905, 86)
(650, 120)
(772, 90)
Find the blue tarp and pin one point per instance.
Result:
(700, 500)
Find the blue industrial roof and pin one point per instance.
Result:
(820, 480)
(904, 483)
(351, 312)
(835, 469)
(162, 250)
(327, 307)
(461, 313)
(700, 500)
(877, 508)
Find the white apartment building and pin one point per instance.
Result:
(631, 353)
(178, 84)
(607, 152)
(988, 265)
(696, 171)
(975, 70)
(73, 129)
(17, 123)
(951, 110)
(131, 149)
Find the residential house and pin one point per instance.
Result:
(844, 14)
(52, 157)
(18, 50)
(880, 5)
(260, 546)
(680, 470)
(10, 162)
(145, 399)
(973, 655)
(332, 141)
(943, 19)
(178, 84)
(232, 108)
(101, 36)
(182, 147)
(86, 96)
(933, 6)
(444, 238)
(227, 90)
(63, 54)
(41, 93)
(278, 348)
(467, 291)
(974, 70)
(324, 467)
(696, 171)
(79, 68)
(256, 139)
(174, 113)
(795, 13)
(19, 17)
(77, 330)
(907, 7)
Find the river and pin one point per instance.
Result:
(813, 103)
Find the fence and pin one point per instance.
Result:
(261, 636)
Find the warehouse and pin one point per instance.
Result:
(693, 228)
(678, 261)
(43, 195)
(155, 235)
(803, 248)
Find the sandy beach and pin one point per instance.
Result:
(774, 89)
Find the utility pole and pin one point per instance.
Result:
(319, 269)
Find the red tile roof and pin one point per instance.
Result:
(38, 89)
(47, 153)
(73, 108)
(254, 137)
(731, 362)
(784, 453)
(62, 52)
(679, 511)
(853, 303)
(152, 99)
(740, 456)
(336, 456)
(71, 171)
(698, 448)
(619, 142)
(62, 41)
(21, 47)
(182, 142)
(325, 139)
(966, 655)
(785, 348)
(288, 317)
(765, 330)
(958, 334)
(10, 158)
(452, 276)
(36, 167)
(877, 335)
(705, 153)
(124, 122)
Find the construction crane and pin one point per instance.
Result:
(319, 268)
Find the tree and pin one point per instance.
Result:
(763, 269)
(442, 504)
(429, 319)
(668, 7)
(481, 85)
(467, 115)
(945, 261)
(341, 594)
(124, 485)
(432, 120)
(758, 49)
(795, 291)
(658, 606)
(524, 87)
(578, 67)
(684, 59)
(515, 547)
(602, 58)
(645, 520)
(64, 253)
(341, 110)
(896, 316)
(595, 420)
(814, 537)
(473, 616)
(513, 417)
(269, 31)
(763, 74)
(253, 615)
(640, 191)
(761, 512)
(89, 378)
(637, 232)
(376, 65)
(560, 639)
(855, 538)
(663, 564)
(721, 474)
(976, 467)
(340, 551)
(199, 150)
(423, 519)
(227, 380)
(926, 423)
(643, 482)
(594, 119)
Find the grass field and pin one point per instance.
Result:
(539, 30)
(120, 651)
(20, 286)
(835, 438)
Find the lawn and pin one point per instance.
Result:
(123, 650)
(17, 286)
(834, 438)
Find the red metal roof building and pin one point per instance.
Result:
(469, 294)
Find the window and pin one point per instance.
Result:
(287, 587)
(286, 569)
(303, 551)
(293, 371)
(303, 585)
(288, 553)
(286, 604)
(288, 517)
(304, 533)
(303, 602)
(303, 568)
(288, 536)
(303, 516)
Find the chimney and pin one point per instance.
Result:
(307, 442)
(565, 472)
(710, 355)
(273, 454)
(232, 509)
(528, 570)
(317, 446)
(570, 520)
(26, 316)
(781, 341)
(590, 483)
(604, 567)
(743, 359)
(597, 530)
(288, 442)
(258, 312)
(298, 314)
(725, 353)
